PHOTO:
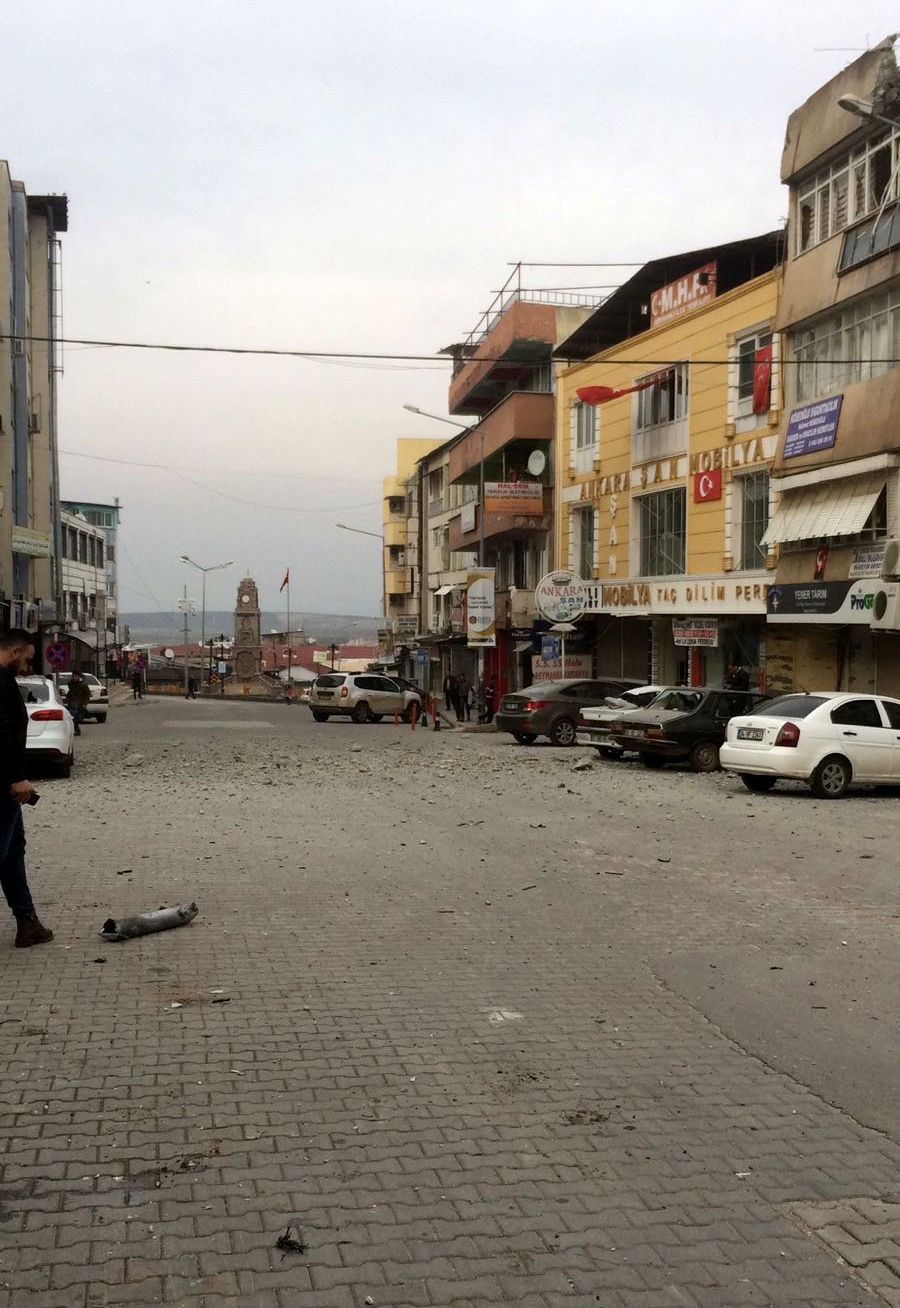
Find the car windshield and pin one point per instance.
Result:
(790, 706)
(34, 692)
(679, 701)
(330, 681)
(91, 679)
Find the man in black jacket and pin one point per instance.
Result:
(16, 652)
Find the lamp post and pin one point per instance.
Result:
(379, 535)
(215, 567)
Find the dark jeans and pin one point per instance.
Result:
(78, 716)
(12, 857)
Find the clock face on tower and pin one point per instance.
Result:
(245, 599)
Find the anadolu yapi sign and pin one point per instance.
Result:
(560, 596)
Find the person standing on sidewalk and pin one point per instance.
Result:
(78, 697)
(137, 684)
(16, 652)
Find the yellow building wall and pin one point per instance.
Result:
(703, 338)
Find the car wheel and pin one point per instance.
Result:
(361, 712)
(757, 784)
(524, 737)
(375, 717)
(831, 778)
(319, 716)
(65, 768)
(652, 760)
(406, 715)
(704, 757)
(563, 732)
(100, 717)
(610, 751)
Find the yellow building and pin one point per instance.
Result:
(663, 492)
(400, 553)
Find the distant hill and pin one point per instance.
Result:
(164, 628)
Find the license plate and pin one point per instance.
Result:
(510, 706)
(632, 731)
(326, 694)
(750, 733)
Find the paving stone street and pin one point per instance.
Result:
(468, 1026)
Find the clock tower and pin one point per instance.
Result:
(247, 644)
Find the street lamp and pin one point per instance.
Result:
(379, 535)
(215, 567)
(461, 426)
(854, 104)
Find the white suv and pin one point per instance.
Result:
(361, 696)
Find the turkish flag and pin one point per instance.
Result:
(762, 379)
(707, 486)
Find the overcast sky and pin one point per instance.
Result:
(356, 176)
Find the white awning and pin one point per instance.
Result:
(834, 508)
(443, 590)
(521, 646)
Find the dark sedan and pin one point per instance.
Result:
(684, 724)
(553, 708)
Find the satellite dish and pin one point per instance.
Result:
(169, 653)
(537, 462)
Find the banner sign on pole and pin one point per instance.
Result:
(481, 621)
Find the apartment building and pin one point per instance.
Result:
(834, 612)
(30, 361)
(503, 375)
(106, 520)
(666, 430)
(401, 549)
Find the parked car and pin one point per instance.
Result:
(829, 740)
(362, 696)
(554, 708)
(51, 731)
(99, 705)
(593, 728)
(689, 723)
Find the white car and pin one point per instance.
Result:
(826, 739)
(51, 731)
(593, 727)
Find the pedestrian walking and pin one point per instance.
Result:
(192, 688)
(489, 696)
(459, 697)
(78, 696)
(137, 684)
(470, 700)
(448, 692)
(16, 652)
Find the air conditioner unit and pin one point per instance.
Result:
(890, 568)
(886, 609)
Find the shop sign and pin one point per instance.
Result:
(681, 296)
(550, 648)
(699, 595)
(868, 560)
(560, 596)
(823, 601)
(577, 665)
(707, 486)
(25, 540)
(524, 498)
(694, 632)
(812, 427)
(467, 518)
(407, 624)
(481, 616)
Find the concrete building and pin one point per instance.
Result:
(663, 491)
(503, 374)
(401, 549)
(84, 598)
(834, 614)
(106, 517)
(30, 361)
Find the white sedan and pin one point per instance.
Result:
(593, 728)
(51, 731)
(826, 739)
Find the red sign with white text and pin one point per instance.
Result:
(707, 486)
(679, 297)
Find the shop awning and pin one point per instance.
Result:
(521, 646)
(443, 590)
(834, 508)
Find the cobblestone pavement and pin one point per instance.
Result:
(421, 1025)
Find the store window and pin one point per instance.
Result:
(662, 533)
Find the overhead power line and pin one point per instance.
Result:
(408, 358)
(220, 472)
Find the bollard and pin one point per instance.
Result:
(396, 718)
(414, 713)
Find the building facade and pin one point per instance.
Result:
(834, 612)
(107, 519)
(504, 376)
(30, 361)
(662, 472)
(401, 550)
(84, 616)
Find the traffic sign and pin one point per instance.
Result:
(422, 656)
(58, 655)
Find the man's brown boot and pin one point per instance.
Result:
(30, 931)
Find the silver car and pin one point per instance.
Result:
(360, 696)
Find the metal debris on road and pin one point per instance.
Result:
(145, 924)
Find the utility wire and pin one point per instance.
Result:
(220, 472)
(407, 358)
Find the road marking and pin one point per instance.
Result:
(221, 722)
